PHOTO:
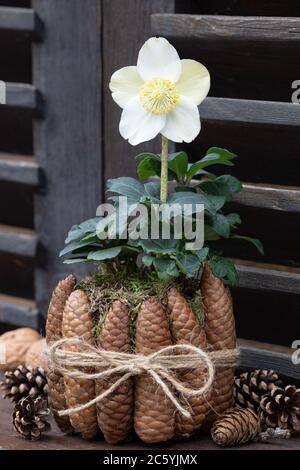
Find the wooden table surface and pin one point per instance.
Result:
(55, 440)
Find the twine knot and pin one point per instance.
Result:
(73, 357)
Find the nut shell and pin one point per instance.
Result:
(57, 401)
(35, 356)
(77, 322)
(16, 344)
(220, 333)
(186, 329)
(115, 413)
(154, 414)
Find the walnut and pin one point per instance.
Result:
(15, 345)
(35, 356)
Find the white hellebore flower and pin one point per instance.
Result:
(160, 94)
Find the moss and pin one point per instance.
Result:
(103, 288)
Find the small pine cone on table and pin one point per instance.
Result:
(78, 323)
(185, 329)
(281, 408)
(115, 413)
(23, 382)
(154, 414)
(57, 401)
(220, 334)
(236, 426)
(30, 418)
(249, 387)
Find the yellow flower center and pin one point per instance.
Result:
(159, 96)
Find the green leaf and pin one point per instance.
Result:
(216, 202)
(202, 254)
(185, 189)
(178, 163)
(233, 219)
(225, 185)
(147, 260)
(126, 186)
(188, 263)
(220, 224)
(77, 245)
(188, 197)
(210, 234)
(152, 190)
(224, 269)
(106, 253)
(162, 247)
(75, 260)
(143, 156)
(78, 231)
(148, 167)
(214, 156)
(165, 268)
(255, 241)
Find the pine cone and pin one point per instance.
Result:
(220, 334)
(77, 322)
(57, 401)
(154, 414)
(249, 387)
(281, 408)
(115, 411)
(186, 329)
(23, 382)
(236, 426)
(30, 418)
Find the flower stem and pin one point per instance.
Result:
(164, 169)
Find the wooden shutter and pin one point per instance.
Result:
(50, 144)
(251, 49)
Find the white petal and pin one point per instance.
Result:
(125, 84)
(138, 125)
(183, 123)
(159, 59)
(194, 81)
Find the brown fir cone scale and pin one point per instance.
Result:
(236, 426)
(77, 323)
(220, 334)
(186, 329)
(115, 413)
(30, 418)
(154, 414)
(249, 387)
(281, 408)
(57, 401)
(23, 382)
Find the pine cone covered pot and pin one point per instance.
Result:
(57, 401)
(77, 323)
(220, 334)
(129, 316)
(115, 412)
(186, 329)
(154, 414)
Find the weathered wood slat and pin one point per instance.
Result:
(280, 198)
(255, 355)
(250, 112)
(268, 277)
(19, 312)
(68, 143)
(23, 20)
(19, 241)
(19, 169)
(24, 96)
(227, 28)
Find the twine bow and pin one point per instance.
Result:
(75, 358)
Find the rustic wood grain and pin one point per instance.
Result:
(20, 241)
(19, 169)
(256, 355)
(24, 96)
(24, 20)
(18, 312)
(250, 112)
(131, 19)
(68, 142)
(227, 28)
(55, 440)
(279, 198)
(268, 277)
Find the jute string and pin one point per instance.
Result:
(77, 359)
